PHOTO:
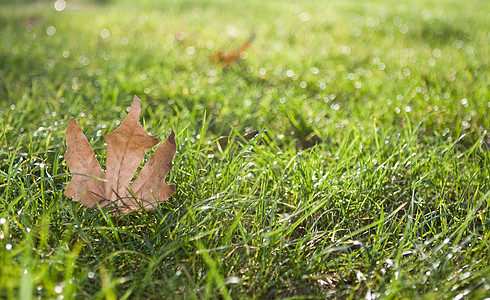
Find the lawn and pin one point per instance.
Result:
(343, 154)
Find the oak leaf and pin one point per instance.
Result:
(126, 148)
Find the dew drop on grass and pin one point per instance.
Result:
(58, 289)
(51, 30)
(60, 5)
(403, 28)
(436, 53)
(8, 246)
(232, 280)
(304, 16)
(346, 50)
(190, 50)
(231, 31)
(389, 262)
(105, 33)
(91, 275)
(3, 221)
(180, 36)
(360, 276)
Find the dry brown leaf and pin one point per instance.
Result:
(126, 148)
(232, 56)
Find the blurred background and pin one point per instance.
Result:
(306, 71)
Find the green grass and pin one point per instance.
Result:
(346, 157)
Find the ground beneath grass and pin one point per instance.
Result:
(343, 154)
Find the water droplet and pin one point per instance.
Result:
(232, 280)
(51, 30)
(403, 28)
(209, 44)
(3, 221)
(346, 50)
(105, 33)
(389, 262)
(397, 21)
(60, 5)
(8, 246)
(58, 289)
(436, 52)
(314, 70)
(304, 16)
(231, 31)
(180, 36)
(360, 276)
(190, 50)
